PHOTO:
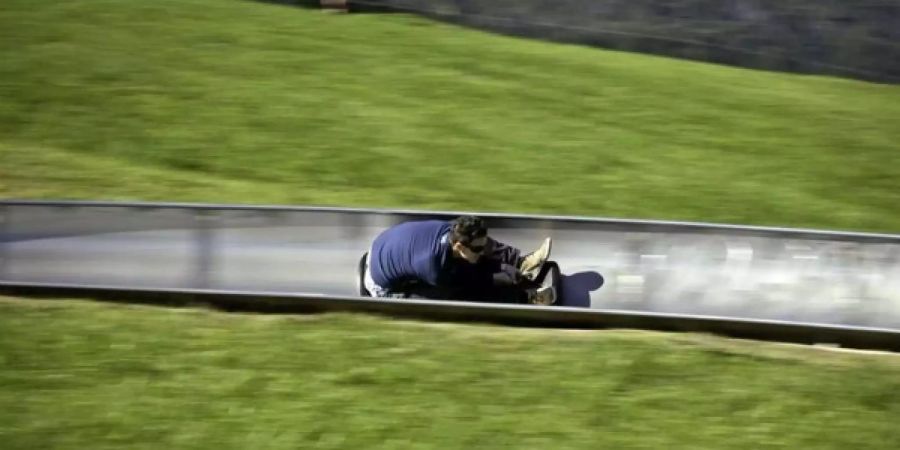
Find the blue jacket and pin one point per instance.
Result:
(412, 251)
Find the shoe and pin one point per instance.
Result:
(542, 296)
(531, 264)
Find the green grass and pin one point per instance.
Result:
(77, 373)
(236, 101)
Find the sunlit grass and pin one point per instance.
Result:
(234, 101)
(76, 374)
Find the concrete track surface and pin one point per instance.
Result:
(814, 277)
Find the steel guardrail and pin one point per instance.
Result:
(633, 223)
(203, 247)
(470, 312)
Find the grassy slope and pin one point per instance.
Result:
(237, 101)
(135, 377)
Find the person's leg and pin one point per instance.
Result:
(374, 289)
(528, 265)
(540, 295)
(502, 253)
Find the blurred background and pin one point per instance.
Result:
(857, 39)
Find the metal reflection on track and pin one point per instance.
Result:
(832, 279)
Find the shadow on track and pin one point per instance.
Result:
(576, 288)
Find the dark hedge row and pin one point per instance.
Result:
(855, 38)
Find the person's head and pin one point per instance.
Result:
(468, 238)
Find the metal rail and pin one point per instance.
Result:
(630, 223)
(454, 311)
(760, 282)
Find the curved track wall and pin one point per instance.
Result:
(748, 275)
